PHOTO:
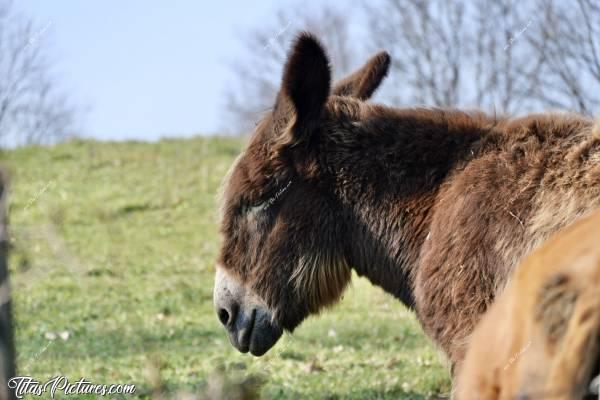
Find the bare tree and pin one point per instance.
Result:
(425, 40)
(257, 73)
(506, 73)
(568, 43)
(31, 109)
(457, 53)
(501, 55)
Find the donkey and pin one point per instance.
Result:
(436, 206)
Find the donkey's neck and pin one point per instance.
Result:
(388, 169)
(385, 241)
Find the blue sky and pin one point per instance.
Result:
(145, 69)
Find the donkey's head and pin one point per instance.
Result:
(283, 254)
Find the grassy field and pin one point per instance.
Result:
(112, 271)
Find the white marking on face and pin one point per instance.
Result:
(229, 286)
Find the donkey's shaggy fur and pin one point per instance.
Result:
(435, 206)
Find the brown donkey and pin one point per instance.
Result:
(435, 206)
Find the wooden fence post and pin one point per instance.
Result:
(7, 347)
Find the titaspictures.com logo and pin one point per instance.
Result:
(26, 385)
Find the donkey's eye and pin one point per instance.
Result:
(256, 208)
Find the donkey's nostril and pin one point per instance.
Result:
(223, 316)
(228, 313)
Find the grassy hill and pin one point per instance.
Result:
(112, 273)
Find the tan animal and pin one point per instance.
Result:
(540, 339)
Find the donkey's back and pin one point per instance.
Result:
(528, 178)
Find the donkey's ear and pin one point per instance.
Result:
(307, 80)
(363, 82)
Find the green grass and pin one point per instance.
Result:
(115, 243)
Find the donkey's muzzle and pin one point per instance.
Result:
(253, 332)
(248, 321)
